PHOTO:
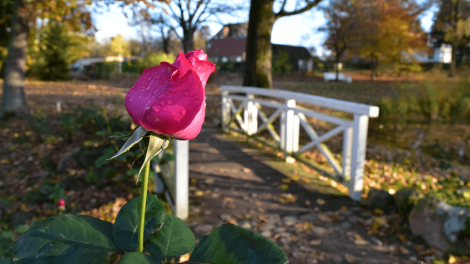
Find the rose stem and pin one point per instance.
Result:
(143, 195)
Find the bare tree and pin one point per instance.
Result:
(189, 15)
(258, 45)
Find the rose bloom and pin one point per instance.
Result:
(169, 99)
(61, 203)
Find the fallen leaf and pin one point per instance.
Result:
(227, 200)
(295, 178)
(262, 219)
(452, 259)
(246, 170)
(350, 258)
(287, 198)
(184, 258)
(287, 180)
(324, 218)
(320, 201)
(284, 187)
(307, 203)
(244, 177)
(315, 242)
(198, 193)
(306, 180)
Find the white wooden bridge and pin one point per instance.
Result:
(252, 111)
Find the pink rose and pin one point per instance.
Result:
(61, 203)
(169, 99)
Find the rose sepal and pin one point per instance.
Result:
(156, 144)
(136, 137)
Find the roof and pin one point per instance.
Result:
(295, 51)
(227, 47)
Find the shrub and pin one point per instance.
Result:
(154, 59)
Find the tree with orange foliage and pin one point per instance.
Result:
(389, 31)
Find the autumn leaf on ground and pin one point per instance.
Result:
(320, 201)
(284, 187)
(287, 198)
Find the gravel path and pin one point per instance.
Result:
(232, 181)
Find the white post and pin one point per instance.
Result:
(181, 152)
(290, 124)
(250, 116)
(225, 110)
(347, 151)
(358, 157)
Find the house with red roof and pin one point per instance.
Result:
(229, 45)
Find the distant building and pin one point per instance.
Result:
(229, 45)
(80, 64)
(442, 54)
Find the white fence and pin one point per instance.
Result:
(244, 119)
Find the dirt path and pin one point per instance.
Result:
(232, 181)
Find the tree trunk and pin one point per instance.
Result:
(337, 68)
(372, 68)
(258, 45)
(14, 98)
(188, 40)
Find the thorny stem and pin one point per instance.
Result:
(143, 195)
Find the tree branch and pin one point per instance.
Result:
(284, 13)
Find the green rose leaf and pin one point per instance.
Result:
(137, 136)
(70, 239)
(231, 244)
(174, 239)
(126, 226)
(138, 258)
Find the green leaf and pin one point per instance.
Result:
(137, 136)
(156, 144)
(168, 157)
(138, 258)
(126, 226)
(174, 239)
(70, 239)
(231, 244)
(21, 229)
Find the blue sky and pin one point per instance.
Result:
(293, 30)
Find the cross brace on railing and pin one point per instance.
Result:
(350, 171)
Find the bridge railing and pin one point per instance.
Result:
(244, 118)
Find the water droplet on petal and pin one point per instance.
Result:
(139, 96)
(170, 102)
(148, 87)
(148, 107)
(157, 109)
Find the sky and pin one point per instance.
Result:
(298, 30)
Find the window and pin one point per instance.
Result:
(208, 45)
(224, 59)
(239, 58)
(301, 65)
(216, 59)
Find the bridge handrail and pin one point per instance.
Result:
(345, 106)
(292, 117)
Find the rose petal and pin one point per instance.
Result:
(198, 54)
